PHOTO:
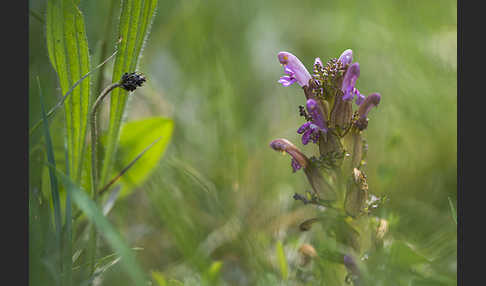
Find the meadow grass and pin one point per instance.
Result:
(217, 208)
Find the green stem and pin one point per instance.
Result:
(94, 167)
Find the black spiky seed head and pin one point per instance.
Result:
(130, 81)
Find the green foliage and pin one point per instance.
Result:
(159, 278)
(52, 173)
(68, 52)
(282, 261)
(221, 194)
(135, 136)
(402, 255)
(453, 210)
(135, 19)
(112, 236)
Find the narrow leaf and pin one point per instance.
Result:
(282, 261)
(52, 166)
(125, 169)
(453, 210)
(65, 96)
(134, 138)
(89, 208)
(68, 52)
(135, 19)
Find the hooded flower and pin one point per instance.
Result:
(313, 174)
(299, 160)
(310, 129)
(346, 57)
(371, 101)
(294, 68)
(349, 81)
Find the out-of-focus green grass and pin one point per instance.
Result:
(220, 193)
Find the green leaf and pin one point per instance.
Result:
(52, 167)
(453, 210)
(282, 261)
(134, 138)
(159, 278)
(403, 255)
(65, 96)
(135, 19)
(128, 261)
(212, 274)
(68, 52)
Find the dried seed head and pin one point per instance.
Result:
(130, 81)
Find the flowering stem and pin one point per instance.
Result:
(94, 136)
(94, 165)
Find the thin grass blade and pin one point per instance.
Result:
(135, 19)
(453, 210)
(52, 166)
(106, 229)
(124, 170)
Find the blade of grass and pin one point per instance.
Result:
(135, 19)
(282, 261)
(36, 16)
(65, 96)
(453, 210)
(106, 229)
(68, 52)
(52, 166)
(123, 171)
(68, 234)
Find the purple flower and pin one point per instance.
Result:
(346, 57)
(294, 68)
(295, 165)
(310, 132)
(349, 81)
(371, 101)
(310, 129)
(316, 114)
(299, 160)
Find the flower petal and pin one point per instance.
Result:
(286, 80)
(346, 57)
(369, 102)
(303, 128)
(349, 81)
(293, 64)
(316, 114)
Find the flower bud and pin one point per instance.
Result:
(299, 160)
(369, 102)
(342, 112)
(346, 57)
(307, 253)
(356, 194)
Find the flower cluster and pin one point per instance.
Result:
(336, 114)
(330, 92)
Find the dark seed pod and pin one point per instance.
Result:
(130, 81)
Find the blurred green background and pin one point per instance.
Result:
(220, 193)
